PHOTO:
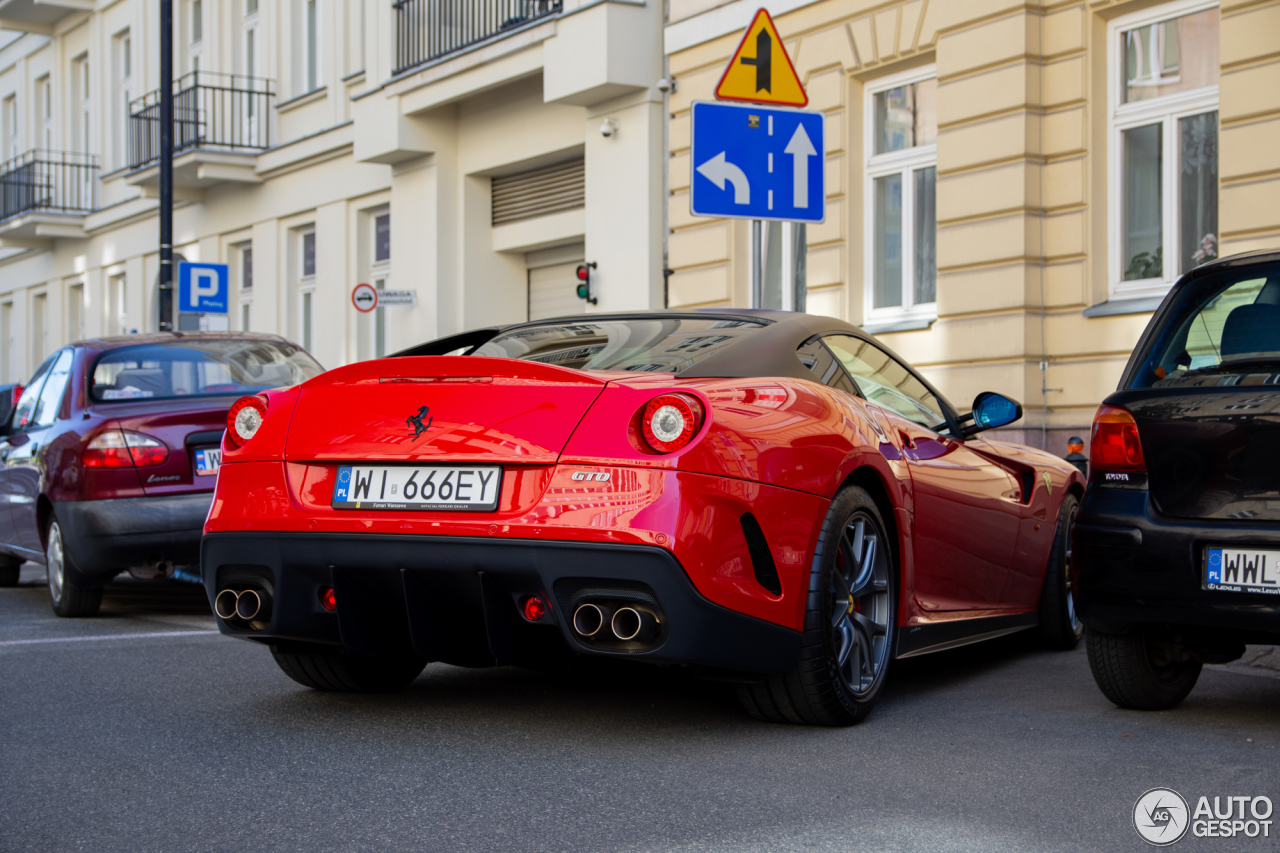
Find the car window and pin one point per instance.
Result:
(649, 345)
(30, 395)
(824, 366)
(199, 367)
(50, 399)
(885, 381)
(1219, 324)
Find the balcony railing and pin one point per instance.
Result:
(427, 29)
(228, 112)
(47, 182)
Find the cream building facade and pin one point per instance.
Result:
(448, 148)
(1011, 186)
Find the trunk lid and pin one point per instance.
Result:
(184, 427)
(1213, 452)
(440, 408)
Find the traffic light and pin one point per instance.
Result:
(585, 291)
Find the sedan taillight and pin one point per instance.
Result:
(1115, 445)
(244, 418)
(115, 448)
(671, 421)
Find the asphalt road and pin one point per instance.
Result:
(194, 742)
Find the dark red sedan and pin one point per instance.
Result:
(112, 451)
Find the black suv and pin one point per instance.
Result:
(1176, 548)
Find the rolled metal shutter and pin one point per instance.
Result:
(538, 192)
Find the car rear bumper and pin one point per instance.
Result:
(1136, 567)
(103, 537)
(455, 599)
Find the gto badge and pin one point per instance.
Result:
(415, 422)
(597, 476)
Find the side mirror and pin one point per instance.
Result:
(991, 410)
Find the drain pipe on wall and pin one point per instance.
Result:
(1044, 371)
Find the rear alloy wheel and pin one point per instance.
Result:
(1060, 627)
(346, 673)
(849, 624)
(1144, 670)
(10, 570)
(67, 596)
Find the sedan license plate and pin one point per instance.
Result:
(208, 461)
(472, 488)
(1242, 570)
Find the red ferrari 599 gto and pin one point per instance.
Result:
(769, 497)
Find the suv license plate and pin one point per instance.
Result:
(1242, 570)
(469, 488)
(208, 461)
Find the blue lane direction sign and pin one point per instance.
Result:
(203, 288)
(754, 162)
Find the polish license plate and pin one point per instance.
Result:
(208, 461)
(471, 488)
(1242, 570)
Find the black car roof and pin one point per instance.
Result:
(771, 351)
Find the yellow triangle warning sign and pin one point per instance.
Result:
(760, 70)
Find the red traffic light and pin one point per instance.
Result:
(585, 290)
(584, 273)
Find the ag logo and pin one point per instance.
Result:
(1161, 816)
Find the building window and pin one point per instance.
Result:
(246, 268)
(197, 21)
(75, 312)
(117, 305)
(382, 238)
(82, 97)
(46, 112)
(311, 49)
(1164, 146)
(900, 198)
(9, 116)
(306, 286)
(123, 61)
(242, 264)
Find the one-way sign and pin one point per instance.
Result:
(754, 162)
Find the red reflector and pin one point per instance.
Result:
(534, 608)
(327, 599)
(1115, 445)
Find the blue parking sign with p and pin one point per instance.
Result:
(203, 288)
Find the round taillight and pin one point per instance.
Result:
(670, 421)
(327, 599)
(534, 608)
(245, 417)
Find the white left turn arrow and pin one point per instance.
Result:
(718, 170)
(801, 149)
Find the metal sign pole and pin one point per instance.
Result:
(165, 296)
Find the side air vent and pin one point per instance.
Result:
(761, 556)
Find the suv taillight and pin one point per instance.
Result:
(115, 448)
(1115, 445)
(244, 418)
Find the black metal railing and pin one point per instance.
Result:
(427, 29)
(47, 181)
(210, 110)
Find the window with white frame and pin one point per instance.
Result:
(117, 319)
(310, 30)
(196, 11)
(242, 264)
(84, 113)
(75, 311)
(45, 95)
(1163, 200)
(306, 285)
(381, 273)
(900, 192)
(122, 61)
(249, 65)
(9, 118)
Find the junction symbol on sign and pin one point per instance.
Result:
(760, 70)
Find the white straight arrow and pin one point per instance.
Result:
(801, 149)
(718, 170)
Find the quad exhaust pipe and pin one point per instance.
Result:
(244, 605)
(601, 621)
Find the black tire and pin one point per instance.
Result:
(1143, 670)
(834, 683)
(346, 673)
(10, 570)
(68, 596)
(1060, 627)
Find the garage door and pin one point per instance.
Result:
(553, 282)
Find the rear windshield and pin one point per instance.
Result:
(1222, 325)
(664, 345)
(204, 368)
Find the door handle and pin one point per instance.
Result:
(907, 440)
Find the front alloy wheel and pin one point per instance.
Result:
(66, 595)
(849, 624)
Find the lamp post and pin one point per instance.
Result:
(165, 295)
